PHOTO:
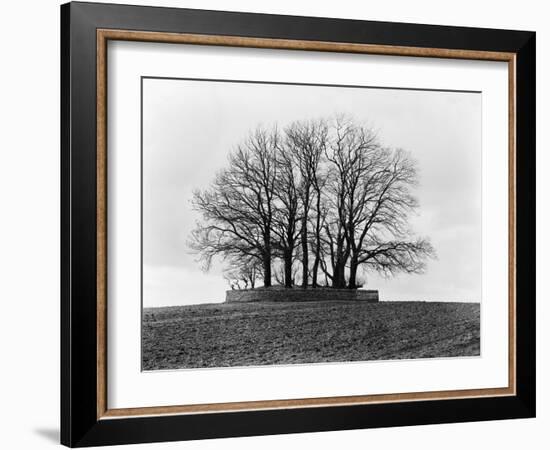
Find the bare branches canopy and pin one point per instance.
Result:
(312, 204)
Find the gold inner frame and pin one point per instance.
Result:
(104, 35)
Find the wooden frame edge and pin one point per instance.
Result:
(103, 35)
(260, 405)
(512, 291)
(101, 223)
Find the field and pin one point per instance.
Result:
(244, 334)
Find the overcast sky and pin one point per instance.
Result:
(189, 127)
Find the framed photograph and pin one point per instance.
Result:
(277, 224)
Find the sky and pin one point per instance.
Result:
(190, 126)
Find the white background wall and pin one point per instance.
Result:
(29, 225)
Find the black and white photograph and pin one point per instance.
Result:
(298, 224)
(276, 222)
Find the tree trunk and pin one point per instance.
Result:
(339, 264)
(338, 277)
(335, 277)
(317, 257)
(267, 260)
(314, 270)
(305, 254)
(288, 268)
(267, 270)
(353, 273)
(342, 274)
(339, 280)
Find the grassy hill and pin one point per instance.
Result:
(222, 335)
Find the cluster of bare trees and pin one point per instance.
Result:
(311, 205)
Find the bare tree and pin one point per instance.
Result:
(378, 217)
(326, 189)
(243, 273)
(280, 276)
(352, 153)
(305, 143)
(319, 220)
(287, 210)
(238, 207)
(371, 199)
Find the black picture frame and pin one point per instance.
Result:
(80, 425)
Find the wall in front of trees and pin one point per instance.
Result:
(300, 295)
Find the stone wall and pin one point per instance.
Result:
(280, 294)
